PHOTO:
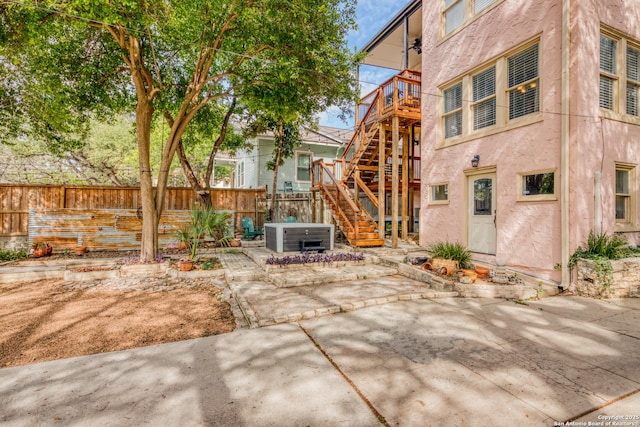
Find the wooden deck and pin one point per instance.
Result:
(389, 115)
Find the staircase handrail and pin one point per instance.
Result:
(360, 183)
(338, 185)
(362, 125)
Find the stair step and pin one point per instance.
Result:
(352, 236)
(366, 243)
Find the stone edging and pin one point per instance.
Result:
(346, 307)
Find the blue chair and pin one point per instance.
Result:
(250, 232)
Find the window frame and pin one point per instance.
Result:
(521, 197)
(476, 102)
(502, 120)
(297, 155)
(454, 111)
(469, 14)
(431, 190)
(629, 222)
(620, 78)
(240, 174)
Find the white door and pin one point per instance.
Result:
(482, 213)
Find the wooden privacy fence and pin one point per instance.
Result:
(16, 200)
(99, 229)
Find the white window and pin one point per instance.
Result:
(633, 80)
(619, 74)
(453, 111)
(537, 185)
(240, 174)
(457, 12)
(523, 83)
(625, 194)
(608, 71)
(453, 14)
(480, 5)
(484, 99)
(303, 166)
(472, 103)
(439, 193)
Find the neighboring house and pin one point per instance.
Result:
(530, 124)
(295, 175)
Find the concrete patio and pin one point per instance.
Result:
(372, 348)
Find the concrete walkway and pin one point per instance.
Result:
(375, 349)
(448, 361)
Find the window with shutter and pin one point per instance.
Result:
(484, 98)
(512, 80)
(633, 80)
(608, 48)
(523, 83)
(453, 111)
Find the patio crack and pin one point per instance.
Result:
(355, 388)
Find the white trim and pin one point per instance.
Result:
(295, 165)
(520, 197)
(431, 187)
(630, 222)
(240, 175)
(502, 121)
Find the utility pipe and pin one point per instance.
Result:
(597, 226)
(565, 143)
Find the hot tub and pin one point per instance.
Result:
(286, 237)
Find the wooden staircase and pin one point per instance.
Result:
(358, 168)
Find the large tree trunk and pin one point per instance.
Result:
(150, 212)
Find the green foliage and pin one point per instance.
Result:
(601, 249)
(204, 221)
(216, 224)
(105, 158)
(12, 254)
(73, 61)
(451, 250)
(602, 246)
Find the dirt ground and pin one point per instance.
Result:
(50, 319)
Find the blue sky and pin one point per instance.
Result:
(371, 16)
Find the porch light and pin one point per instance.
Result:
(475, 161)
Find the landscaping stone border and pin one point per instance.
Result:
(626, 279)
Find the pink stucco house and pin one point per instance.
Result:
(530, 124)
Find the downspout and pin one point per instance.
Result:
(565, 143)
(597, 226)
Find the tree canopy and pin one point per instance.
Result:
(73, 61)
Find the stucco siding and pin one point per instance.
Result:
(599, 139)
(527, 232)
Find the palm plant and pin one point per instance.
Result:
(217, 225)
(453, 251)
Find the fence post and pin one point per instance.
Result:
(62, 201)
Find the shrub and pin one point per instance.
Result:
(310, 257)
(12, 254)
(601, 246)
(453, 251)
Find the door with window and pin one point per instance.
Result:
(482, 213)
